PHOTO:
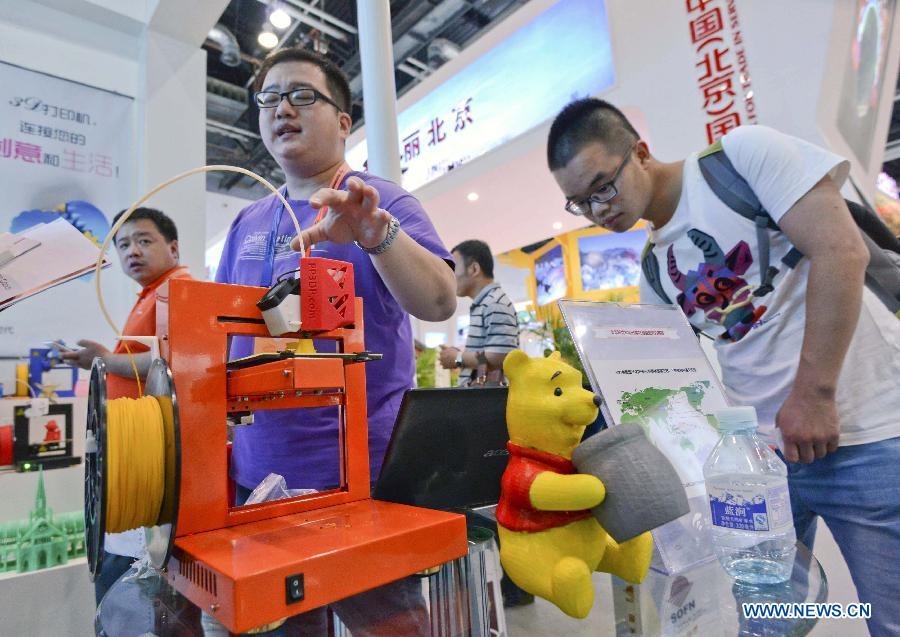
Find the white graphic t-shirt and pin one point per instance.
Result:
(707, 255)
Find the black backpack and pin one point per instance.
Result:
(882, 273)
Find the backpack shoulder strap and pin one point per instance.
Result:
(871, 224)
(883, 275)
(733, 190)
(729, 186)
(650, 268)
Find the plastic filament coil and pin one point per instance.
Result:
(132, 464)
(136, 453)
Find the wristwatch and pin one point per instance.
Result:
(393, 231)
(459, 362)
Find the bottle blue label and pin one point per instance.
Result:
(753, 508)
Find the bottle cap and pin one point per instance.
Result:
(736, 418)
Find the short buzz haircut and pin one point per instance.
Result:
(586, 121)
(335, 78)
(479, 252)
(162, 222)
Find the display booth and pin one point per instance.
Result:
(588, 264)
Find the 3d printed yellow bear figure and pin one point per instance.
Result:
(549, 541)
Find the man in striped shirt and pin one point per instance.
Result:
(493, 328)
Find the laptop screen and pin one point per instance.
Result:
(447, 450)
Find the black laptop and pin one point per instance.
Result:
(447, 450)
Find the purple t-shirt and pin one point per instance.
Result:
(302, 444)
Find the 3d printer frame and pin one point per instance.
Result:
(248, 566)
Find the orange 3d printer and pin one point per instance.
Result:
(251, 565)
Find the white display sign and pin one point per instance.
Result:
(66, 152)
(647, 365)
(672, 399)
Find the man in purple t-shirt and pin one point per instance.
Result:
(400, 265)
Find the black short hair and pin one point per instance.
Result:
(586, 121)
(335, 78)
(162, 222)
(479, 252)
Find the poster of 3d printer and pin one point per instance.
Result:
(66, 152)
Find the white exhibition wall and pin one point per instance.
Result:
(220, 212)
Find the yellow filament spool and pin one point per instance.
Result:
(136, 457)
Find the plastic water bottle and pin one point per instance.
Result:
(750, 509)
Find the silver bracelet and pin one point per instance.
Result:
(381, 248)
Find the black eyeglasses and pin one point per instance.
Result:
(296, 97)
(605, 192)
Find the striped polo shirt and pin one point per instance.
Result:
(493, 326)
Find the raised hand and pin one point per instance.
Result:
(353, 215)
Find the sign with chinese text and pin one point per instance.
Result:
(562, 54)
(648, 367)
(722, 72)
(66, 152)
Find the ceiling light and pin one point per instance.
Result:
(557, 225)
(267, 39)
(472, 196)
(280, 19)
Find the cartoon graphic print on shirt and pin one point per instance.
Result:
(716, 287)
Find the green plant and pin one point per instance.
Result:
(562, 341)
(556, 337)
(425, 367)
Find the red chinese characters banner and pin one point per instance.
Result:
(720, 59)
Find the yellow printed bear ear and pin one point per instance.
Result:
(514, 361)
(555, 356)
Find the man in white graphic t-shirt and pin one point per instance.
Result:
(803, 341)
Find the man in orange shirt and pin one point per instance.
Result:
(148, 250)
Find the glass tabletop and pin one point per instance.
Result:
(698, 602)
